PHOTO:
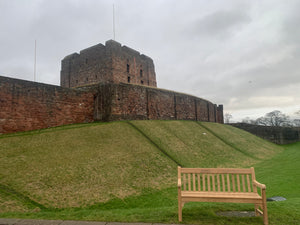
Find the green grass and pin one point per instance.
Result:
(126, 171)
(281, 174)
(242, 141)
(82, 166)
(193, 145)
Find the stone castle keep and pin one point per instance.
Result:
(102, 83)
(111, 63)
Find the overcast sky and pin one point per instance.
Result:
(242, 54)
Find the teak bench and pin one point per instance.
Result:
(220, 185)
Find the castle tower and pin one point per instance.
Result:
(109, 63)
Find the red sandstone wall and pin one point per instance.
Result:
(28, 105)
(202, 110)
(220, 116)
(134, 102)
(107, 64)
(212, 113)
(121, 102)
(141, 68)
(185, 107)
(160, 104)
(92, 65)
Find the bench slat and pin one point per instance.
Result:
(194, 182)
(216, 170)
(223, 183)
(189, 181)
(199, 187)
(233, 182)
(218, 181)
(199, 194)
(184, 182)
(248, 182)
(243, 181)
(238, 182)
(228, 183)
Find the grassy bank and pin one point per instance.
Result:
(126, 171)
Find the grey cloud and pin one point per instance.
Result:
(225, 51)
(220, 24)
(290, 26)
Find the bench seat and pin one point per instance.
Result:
(234, 197)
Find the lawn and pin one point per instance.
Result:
(64, 168)
(147, 151)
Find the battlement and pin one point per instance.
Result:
(109, 63)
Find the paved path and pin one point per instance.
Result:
(64, 222)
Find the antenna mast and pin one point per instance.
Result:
(34, 73)
(114, 31)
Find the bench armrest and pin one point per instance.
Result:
(256, 183)
(179, 183)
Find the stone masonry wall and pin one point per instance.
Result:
(92, 65)
(277, 135)
(29, 105)
(112, 63)
(129, 66)
(135, 102)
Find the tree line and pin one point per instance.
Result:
(275, 119)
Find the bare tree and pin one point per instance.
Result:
(296, 122)
(227, 117)
(274, 119)
(248, 120)
(262, 121)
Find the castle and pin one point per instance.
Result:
(102, 83)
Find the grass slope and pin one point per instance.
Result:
(242, 141)
(83, 166)
(194, 145)
(126, 171)
(281, 174)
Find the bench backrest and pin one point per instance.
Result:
(217, 179)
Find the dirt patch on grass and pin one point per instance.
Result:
(237, 213)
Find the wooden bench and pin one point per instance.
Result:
(221, 185)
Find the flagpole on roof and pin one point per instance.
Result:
(34, 72)
(114, 31)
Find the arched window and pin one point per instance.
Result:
(128, 67)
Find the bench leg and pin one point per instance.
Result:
(265, 215)
(256, 208)
(266, 222)
(179, 211)
(264, 206)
